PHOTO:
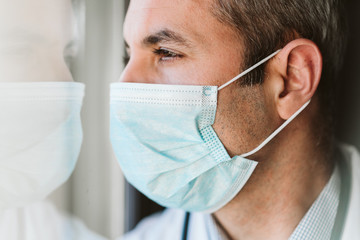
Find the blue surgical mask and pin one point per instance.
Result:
(163, 138)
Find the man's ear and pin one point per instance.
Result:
(294, 75)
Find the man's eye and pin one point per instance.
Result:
(166, 55)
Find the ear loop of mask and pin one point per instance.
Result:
(249, 70)
(268, 139)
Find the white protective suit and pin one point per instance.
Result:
(170, 223)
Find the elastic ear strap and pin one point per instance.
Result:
(276, 131)
(248, 70)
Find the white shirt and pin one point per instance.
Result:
(169, 224)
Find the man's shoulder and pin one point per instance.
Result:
(351, 156)
(350, 152)
(352, 220)
(165, 225)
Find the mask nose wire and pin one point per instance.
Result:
(248, 70)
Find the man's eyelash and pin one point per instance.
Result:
(165, 53)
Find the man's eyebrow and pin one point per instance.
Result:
(165, 36)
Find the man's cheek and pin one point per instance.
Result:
(179, 76)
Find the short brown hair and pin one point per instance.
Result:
(264, 26)
(268, 25)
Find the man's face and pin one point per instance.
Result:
(178, 42)
(181, 42)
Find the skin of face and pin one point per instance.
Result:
(34, 37)
(181, 42)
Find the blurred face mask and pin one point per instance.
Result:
(40, 138)
(163, 138)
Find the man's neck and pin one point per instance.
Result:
(278, 195)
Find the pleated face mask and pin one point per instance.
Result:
(163, 138)
(40, 138)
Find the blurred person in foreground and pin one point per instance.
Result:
(223, 114)
(40, 127)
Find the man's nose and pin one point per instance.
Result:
(139, 70)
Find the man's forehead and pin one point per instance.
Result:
(157, 4)
(146, 17)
